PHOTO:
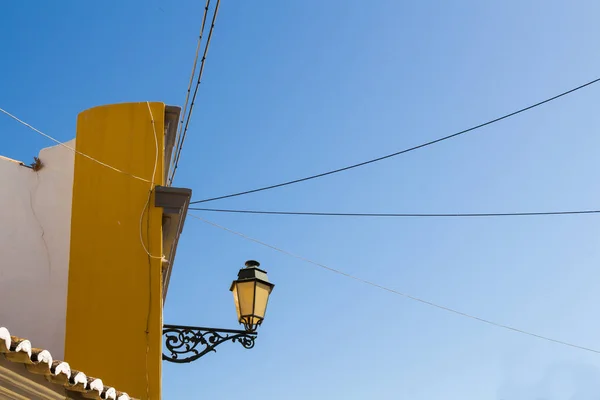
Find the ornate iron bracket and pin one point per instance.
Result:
(188, 343)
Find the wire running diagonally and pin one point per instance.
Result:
(396, 292)
(396, 215)
(147, 249)
(189, 114)
(335, 171)
(72, 149)
(152, 186)
(189, 89)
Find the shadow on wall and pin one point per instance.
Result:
(559, 382)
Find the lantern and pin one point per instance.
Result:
(251, 293)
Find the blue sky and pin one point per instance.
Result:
(295, 88)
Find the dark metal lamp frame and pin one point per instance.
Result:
(184, 344)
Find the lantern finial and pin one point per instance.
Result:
(252, 263)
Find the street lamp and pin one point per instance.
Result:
(251, 292)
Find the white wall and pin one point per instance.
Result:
(35, 225)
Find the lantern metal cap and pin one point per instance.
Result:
(252, 272)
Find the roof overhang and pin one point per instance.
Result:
(175, 203)
(171, 122)
(17, 383)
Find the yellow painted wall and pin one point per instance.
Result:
(114, 287)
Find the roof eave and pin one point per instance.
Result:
(175, 203)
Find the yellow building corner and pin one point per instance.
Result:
(114, 300)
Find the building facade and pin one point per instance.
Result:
(88, 239)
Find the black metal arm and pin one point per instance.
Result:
(188, 343)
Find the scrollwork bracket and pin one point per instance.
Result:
(184, 344)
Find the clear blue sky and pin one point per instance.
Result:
(297, 87)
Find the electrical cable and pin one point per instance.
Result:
(147, 249)
(399, 215)
(202, 63)
(396, 292)
(72, 149)
(152, 186)
(189, 89)
(335, 171)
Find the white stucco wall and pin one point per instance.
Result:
(35, 224)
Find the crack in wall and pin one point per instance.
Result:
(31, 196)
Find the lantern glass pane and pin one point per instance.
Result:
(236, 300)
(245, 298)
(262, 297)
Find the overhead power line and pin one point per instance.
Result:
(398, 215)
(396, 292)
(335, 171)
(189, 114)
(189, 89)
